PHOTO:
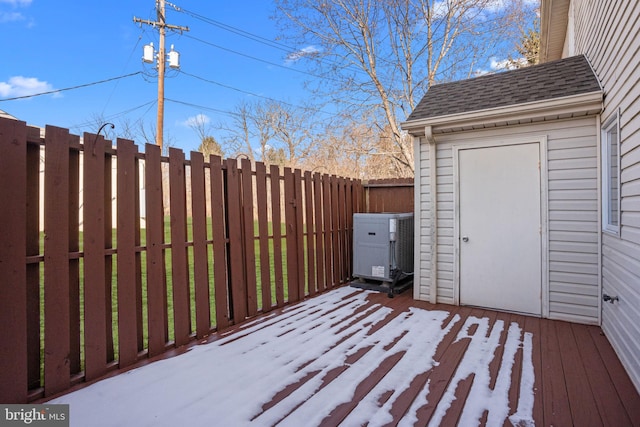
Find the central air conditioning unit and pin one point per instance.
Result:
(382, 250)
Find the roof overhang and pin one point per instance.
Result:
(6, 115)
(551, 109)
(554, 18)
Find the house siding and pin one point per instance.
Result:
(608, 33)
(423, 236)
(573, 224)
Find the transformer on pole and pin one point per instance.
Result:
(149, 54)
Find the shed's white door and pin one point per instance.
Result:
(500, 228)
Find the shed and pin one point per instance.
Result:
(506, 191)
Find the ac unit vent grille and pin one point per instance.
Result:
(382, 243)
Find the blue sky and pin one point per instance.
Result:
(53, 45)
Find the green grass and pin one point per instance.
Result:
(169, 283)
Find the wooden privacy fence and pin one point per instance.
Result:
(392, 195)
(112, 280)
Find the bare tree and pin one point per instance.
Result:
(268, 130)
(201, 125)
(238, 131)
(263, 121)
(382, 55)
(343, 148)
(137, 131)
(292, 128)
(529, 46)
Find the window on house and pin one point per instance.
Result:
(611, 175)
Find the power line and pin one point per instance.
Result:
(127, 63)
(254, 94)
(202, 107)
(116, 115)
(235, 52)
(255, 37)
(71, 88)
(235, 30)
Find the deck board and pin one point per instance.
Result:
(362, 358)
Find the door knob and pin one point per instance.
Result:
(465, 239)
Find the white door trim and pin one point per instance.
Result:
(544, 207)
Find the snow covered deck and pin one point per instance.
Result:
(351, 357)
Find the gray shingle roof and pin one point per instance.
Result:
(556, 79)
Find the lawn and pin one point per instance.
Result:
(169, 276)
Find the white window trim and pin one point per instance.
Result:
(607, 225)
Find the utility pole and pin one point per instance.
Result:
(162, 26)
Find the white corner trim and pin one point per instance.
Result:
(417, 215)
(433, 219)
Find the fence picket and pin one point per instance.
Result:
(179, 273)
(335, 231)
(156, 281)
(33, 268)
(328, 224)
(238, 294)
(249, 238)
(56, 261)
(108, 257)
(276, 219)
(342, 233)
(291, 233)
(95, 328)
(263, 233)
(126, 267)
(140, 186)
(221, 294)
(13, 292)
(75, 353)
(314, 210)
(310, 234)
(349, 227)
(318, 234)
(299, 229)
(200, 262)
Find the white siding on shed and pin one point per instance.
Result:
(573, 226)
(608, 33)
(423, 237)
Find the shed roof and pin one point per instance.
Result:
(6, 115)
(551, 80)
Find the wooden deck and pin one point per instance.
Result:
(352, 358)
